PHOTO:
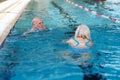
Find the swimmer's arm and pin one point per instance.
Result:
(27, 32)
(70, 42)
(66, 41)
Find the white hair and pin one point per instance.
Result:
(82, 30)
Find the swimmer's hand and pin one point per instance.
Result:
(27, 32)
(24, 34)
(64, 41)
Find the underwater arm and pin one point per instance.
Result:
(27, 32)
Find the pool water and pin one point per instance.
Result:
(39, 55)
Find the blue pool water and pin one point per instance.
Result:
(40, 55)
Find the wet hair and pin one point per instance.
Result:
(34, 21)
(82, 31)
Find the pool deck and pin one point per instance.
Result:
(10, 11)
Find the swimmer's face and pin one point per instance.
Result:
(37, 23)
(82, 36)
(40, 23)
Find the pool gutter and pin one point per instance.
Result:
(10, 11)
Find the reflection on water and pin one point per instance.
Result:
(41, 5)
(88, 62)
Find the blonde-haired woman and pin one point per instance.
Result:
(79, 45)
(82, 38)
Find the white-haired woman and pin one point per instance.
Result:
(82, 38)
(80, 46)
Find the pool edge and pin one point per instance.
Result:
(6, 26)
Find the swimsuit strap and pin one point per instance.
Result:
(87, 43)
(77, 43)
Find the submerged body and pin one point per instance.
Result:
(79, 46)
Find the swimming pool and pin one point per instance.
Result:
(37, 56)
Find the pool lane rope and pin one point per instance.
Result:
(93, 12)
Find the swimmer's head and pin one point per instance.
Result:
(37, 23)
(82, 32)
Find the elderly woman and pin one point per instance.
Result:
(82, 37)
(80, 46)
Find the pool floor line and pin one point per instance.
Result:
(72, 22)
(9, 14)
